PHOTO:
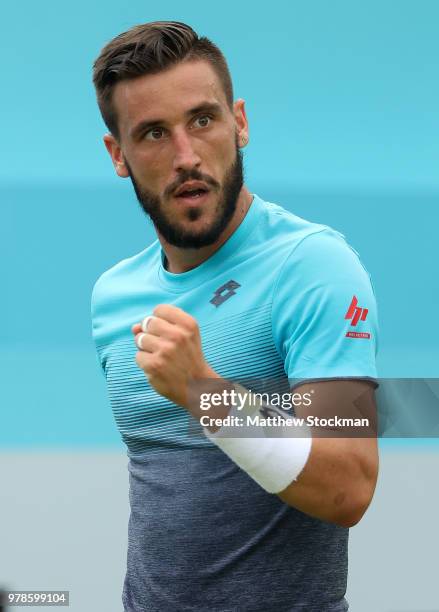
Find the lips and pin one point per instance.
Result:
(195, 197)
(191, 189)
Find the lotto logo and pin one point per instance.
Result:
(224, 292)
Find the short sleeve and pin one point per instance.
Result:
(324, 312)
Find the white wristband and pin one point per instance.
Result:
(273, 462)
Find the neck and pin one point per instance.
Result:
(181, 260)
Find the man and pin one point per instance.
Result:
(234, 288)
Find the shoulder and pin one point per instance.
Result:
(121, 275)
(307, 247)
(325, 254)
(287, 228)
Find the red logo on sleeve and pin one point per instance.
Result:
(356, 313)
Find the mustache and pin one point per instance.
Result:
(191, 175)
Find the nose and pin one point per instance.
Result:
(186, 158)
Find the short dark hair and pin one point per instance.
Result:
(150, 48)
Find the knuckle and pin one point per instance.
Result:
(188, 335)
(155, 366)
(158, 309)
(193, 325)
(166, 350)
(182, 334)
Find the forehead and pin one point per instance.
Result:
(167, 94)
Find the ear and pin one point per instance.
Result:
(116, 155)
(241, 122)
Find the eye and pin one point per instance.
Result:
(204, 120)
(154, 133)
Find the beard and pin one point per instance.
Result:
(174, 232)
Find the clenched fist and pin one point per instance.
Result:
(170, 352)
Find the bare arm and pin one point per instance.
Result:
(339, 478)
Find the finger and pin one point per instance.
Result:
(144, 360)
(136, 328)
(147, 342)
(138, 339)
(141, 327)
(174, 315)
(162, 328)
(145, 322)
(150, 363)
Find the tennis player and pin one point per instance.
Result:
(234, 288)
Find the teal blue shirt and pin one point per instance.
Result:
(291, 283)
(283, 299)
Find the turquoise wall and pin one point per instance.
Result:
(342, 100)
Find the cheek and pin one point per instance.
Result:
(151, 169)
(221, 155)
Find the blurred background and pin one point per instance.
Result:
(342, 100)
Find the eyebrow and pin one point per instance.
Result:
(204, 107)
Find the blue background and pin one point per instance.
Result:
(342, 100)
